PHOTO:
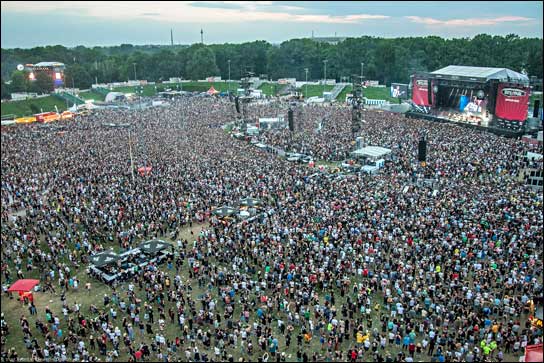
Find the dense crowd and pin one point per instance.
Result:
(355, 268)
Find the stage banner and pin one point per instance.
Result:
(463, 102)
(512, 103)
(420, 92)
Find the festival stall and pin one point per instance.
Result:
(24, 288)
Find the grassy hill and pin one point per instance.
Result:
(91, 95)
(378, 93)
(150, 90)
(22, 108)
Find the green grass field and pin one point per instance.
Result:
(22, 108)
(370, 92)
(268, 88)
(91, 96)
(204, 86)
(149, 90)
(313, 90)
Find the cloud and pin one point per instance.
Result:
(291, 8)
(341, 19)
(186, 12)
(466, 22)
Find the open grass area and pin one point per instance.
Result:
(377, 93)
(22, 108)
(313, 90)
(342, 96)
(204, 86)
(149, 90)
(91, 96)
(269, 88)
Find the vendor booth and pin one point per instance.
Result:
(24, 287)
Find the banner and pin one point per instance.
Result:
(463, 102)
(512, 103)
(420, 92)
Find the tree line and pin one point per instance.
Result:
(386, 60)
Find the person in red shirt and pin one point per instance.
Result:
(353, 355)
(412, 349)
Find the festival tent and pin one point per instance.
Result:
(250, 202)
(372, 152)
(224, 211)
(114, 96)
(154, 246)
(104, 258)
(533, 353)
(212, 91)
(144, 170)
(24, 288)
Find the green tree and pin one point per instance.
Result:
(19, 82)
(6, 92)
(385, 59)
(43, 83)
(202, 64)
(78, 76)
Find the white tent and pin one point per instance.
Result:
(112, 96)
(372, 152)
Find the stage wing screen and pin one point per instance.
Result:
(512, 103)
(399, 90)
(420, 91)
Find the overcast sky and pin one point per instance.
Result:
(70, 23)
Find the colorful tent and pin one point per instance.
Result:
(212, 91)
(24, 288)
(533, 353)
(144, 170)
(24, 285)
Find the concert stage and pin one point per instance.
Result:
(492, 99)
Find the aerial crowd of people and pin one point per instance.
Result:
(354, 267)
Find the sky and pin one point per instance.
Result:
(27, 24)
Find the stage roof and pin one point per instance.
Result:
(48, 64)
(480, 74)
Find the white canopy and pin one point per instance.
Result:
(374, 152)
(112, 96)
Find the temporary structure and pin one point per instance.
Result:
(250, 202)
(154, 246)
(224, 211)
(533, 353)
(144, 170)
(212, 91)
(372, 152)
(104, 258)
(24, 288)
